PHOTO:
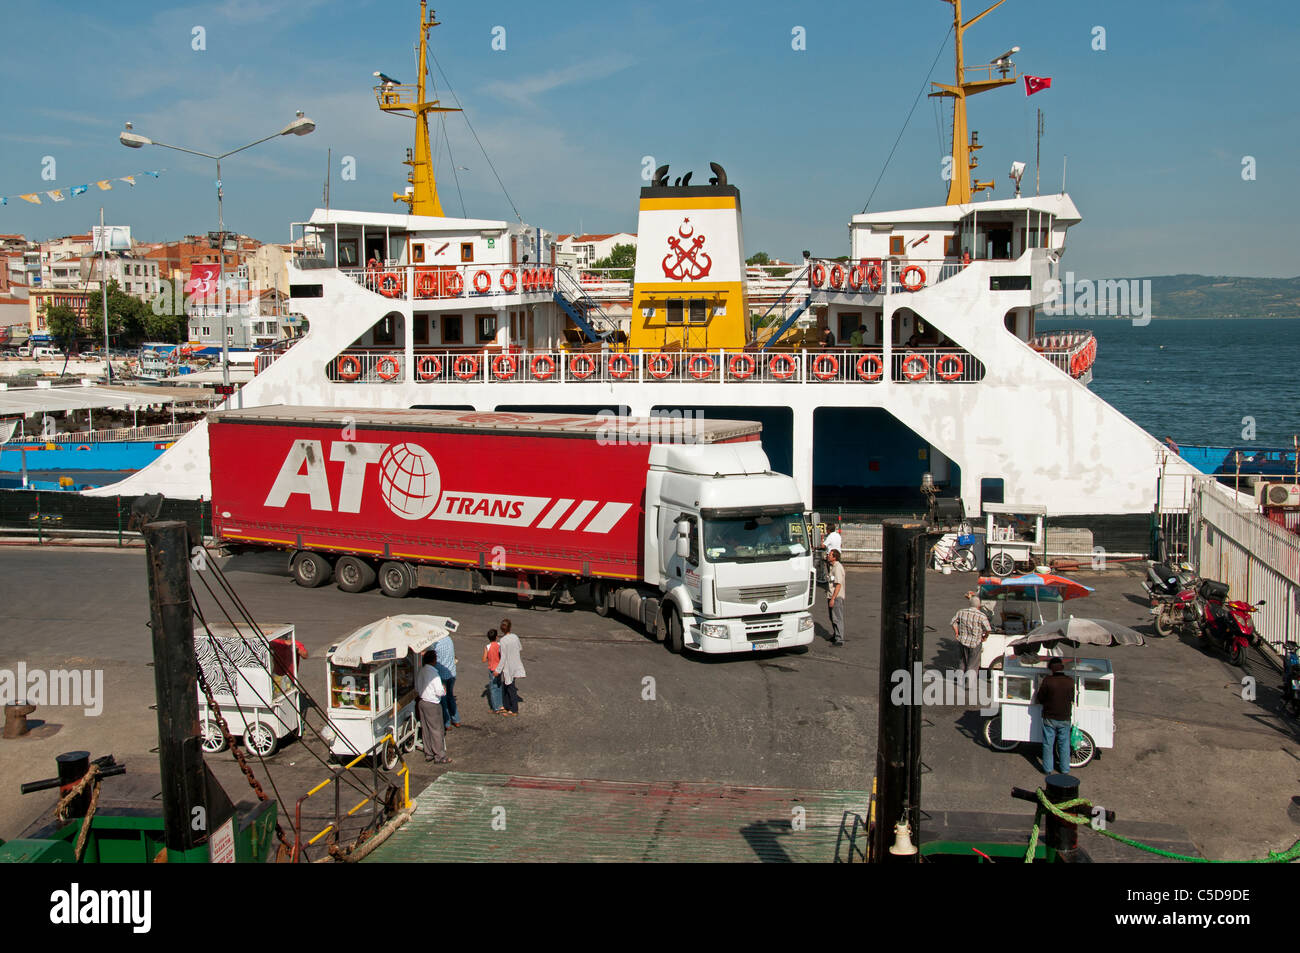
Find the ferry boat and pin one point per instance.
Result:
(949, 384)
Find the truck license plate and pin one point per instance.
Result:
(765, 644)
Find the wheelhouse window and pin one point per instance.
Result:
(675, 310)
(699, 311)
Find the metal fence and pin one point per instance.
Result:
(52, 514)
(151, 432)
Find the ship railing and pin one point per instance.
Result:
(937, 365)
(368, 367)
(117, 435)
(429, 282)
(1073, 352)
(877, 276)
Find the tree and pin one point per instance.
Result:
(64, 327)
(762, 258)
(132, 320)
(621, 257)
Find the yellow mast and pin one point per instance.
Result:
(961, 188)
(394, 98)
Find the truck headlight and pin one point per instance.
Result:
(714, 630)
(805, 623)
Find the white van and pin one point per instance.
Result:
(43, 351)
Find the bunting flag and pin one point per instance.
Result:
(59, 195)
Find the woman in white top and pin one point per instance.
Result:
(511, 668)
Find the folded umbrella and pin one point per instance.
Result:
(1083, 632)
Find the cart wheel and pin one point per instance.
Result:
(412, 733)
(395, 580)
(993, 735)
(1084, 751)
(213, 740)
(353, 574)
(388, 756)
(964, 561)
(1002, 564)
(311, 570)
(260, 739)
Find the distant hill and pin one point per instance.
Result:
(1202, 296)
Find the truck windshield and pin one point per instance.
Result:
(755, 538)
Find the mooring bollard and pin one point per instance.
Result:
(16, 720)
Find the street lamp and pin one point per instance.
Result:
(300, 126)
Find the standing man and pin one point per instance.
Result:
(970, 626)
(1056, 695)
(431, 690)
(858, 337)
(510, 668)
(835, 601)
(832, 541)
(828, 339)
(445, 652)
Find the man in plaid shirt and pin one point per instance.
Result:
(971, 627)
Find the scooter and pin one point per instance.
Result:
(1291, 677)
(1226, 624)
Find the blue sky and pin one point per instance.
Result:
(1155, 127)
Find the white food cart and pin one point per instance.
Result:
(372, 691)
(1015, 615)
(1020, 720)
(238, 665)
(1012, 534)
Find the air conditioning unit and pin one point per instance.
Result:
(1277, 494)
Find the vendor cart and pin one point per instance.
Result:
(1020, 720)
(1012, 534)
(372, 692)
(257, 702)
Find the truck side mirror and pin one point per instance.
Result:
(815, 529)
(684, 547)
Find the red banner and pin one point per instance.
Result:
(203, 280)
(1036, 84)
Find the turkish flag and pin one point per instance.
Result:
(1034, 84)
(203, 280)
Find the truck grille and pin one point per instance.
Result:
(756, 594)
(761, 626)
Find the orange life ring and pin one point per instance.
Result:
(877, 367)
(349, 368)
(390, 285)
(875, 277)
(455, 284)
(499, 365)
(819, 370)
(482, 286)
(508, 288)
(955, 372)
(698, 373)
(912, 286)
(536, 365)
(428, 368)
(550, 278)
(426, 285)
(387, 367)
(620, 367)
(660, 366)
(837, 276)
(917, 375)
(855, 277)
(742, 366)
(581, 366)
(787, 368)
(819, 276)
(465, 367)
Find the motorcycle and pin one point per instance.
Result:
(1291, 677)
(1172, 593)
(1226, 624)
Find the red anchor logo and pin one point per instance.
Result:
(691, 262)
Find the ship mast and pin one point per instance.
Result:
(409, 101)
(961, 188)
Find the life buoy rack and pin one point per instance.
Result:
(455, 284)
(508, 288)
(428, 368)
(542, 367)
(465, 367)
(915, 373)
(742, 366)
(912, 285)
(426, 285)
(349, 368)
(387, 367)
(390, 285)
(819, 276)
(701, 373)
(504, 367)
(660, 366)
(620, 367)
(837, 276)
(949, 359)
(856, 277)
(482, 282)
(876, 364)
(782, 367)
(581, 366)
(821, 371)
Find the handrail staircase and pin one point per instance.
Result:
(585, 311)
(794, 316)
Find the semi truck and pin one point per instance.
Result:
(685, 530)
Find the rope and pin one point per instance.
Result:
(1085, 821)
(61, 809)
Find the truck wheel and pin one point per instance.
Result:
(311, 570)
(673, 638)
(353, 574)
(395, 580)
